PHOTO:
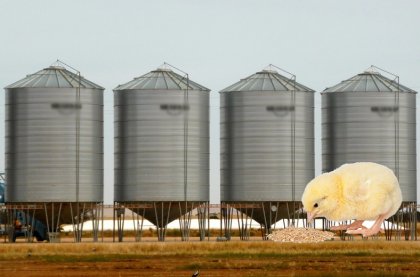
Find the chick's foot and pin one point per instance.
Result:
(354, 226)
(363, 232)
(340, 227)
(357, 225)
(376, 228)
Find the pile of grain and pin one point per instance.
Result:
(300, 235)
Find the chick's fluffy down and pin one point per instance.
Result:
(360, 191)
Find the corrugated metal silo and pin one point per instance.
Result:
(370, 117)
(54, 140)
(161, 144)
(41, 138)
(267, 143)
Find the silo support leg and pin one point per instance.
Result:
(266, 227)
(227, 220)
(185, 220)
(96, 209)
(138, 223)
(276, 213)
(31, 219)
(165, 224)
(162, 218)
(157, 221)
(78, 217)
(410, 211)
(6, 224)
(403, 224)
(11, 217)
(414, 229)
(142, 223)
(120, 215)
(244, 221)
(202, 210)
(53, 220)
(80, 220)
(94, 215)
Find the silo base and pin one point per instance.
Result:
(43, 220)
(403, 225)
(266, 213)
(161, 213)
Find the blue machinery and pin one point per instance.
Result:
(21, 222)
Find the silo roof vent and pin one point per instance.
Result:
(370, 80)
(162, 78)
(267, 79)
(55, 76)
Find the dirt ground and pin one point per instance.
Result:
(186, 266)
(263, 258)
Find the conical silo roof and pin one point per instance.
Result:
(54, 77)
(267, 80)
(369, 81)
(161, 79)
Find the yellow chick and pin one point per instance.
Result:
(360, 191)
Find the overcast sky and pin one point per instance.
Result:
(217, 42)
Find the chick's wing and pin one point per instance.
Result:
(366, 181)
(356, 189)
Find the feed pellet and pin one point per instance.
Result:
(300, 235)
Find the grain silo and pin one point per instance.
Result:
(267, 146)
(371, 117)
(162, 147)
(54, 146)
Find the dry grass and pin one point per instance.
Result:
(170, 233)
(19, 250)
(259, 258)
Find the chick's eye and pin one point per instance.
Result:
(316, 205)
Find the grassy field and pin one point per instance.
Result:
(262, 258)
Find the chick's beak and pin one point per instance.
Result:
(310, 216)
